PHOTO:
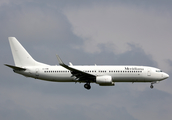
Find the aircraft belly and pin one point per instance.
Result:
(56, 78)
(128, 78)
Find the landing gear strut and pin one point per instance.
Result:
(151, 86)
(87, 86)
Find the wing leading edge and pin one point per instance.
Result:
(78, 74)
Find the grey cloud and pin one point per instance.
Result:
(26, 98)
(34, 25)
(169, 62)
(156, 101)
(10, 110)
(136, 56)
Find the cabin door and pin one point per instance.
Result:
(149, 72)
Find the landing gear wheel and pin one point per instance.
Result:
(151, 86)
(87, 86)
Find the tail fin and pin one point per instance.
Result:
(20, 55)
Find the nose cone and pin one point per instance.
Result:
(165, 76)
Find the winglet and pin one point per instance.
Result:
(59, 60)
(70, 64)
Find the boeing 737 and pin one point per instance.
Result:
(102, 75)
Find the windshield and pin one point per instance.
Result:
(158, 70)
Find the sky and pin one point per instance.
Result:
(102, 32)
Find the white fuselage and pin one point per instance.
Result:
(118, 73)
(102, 75)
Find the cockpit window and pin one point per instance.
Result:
(158, 70)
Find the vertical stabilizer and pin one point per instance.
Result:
(20, 55)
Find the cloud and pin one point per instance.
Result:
(120, 25)
(152, 102)
(33, 26)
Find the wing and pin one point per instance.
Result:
(78, 74)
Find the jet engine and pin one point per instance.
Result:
(104, 80)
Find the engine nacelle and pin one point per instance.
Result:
(104, 80)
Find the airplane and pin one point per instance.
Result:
(103, 75)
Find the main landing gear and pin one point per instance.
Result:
(151, 86)
(87, 86)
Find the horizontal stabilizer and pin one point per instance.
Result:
(14, 67)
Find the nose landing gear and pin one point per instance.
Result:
(87, 86)
(151, 86)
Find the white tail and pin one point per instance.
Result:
(20, 55)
